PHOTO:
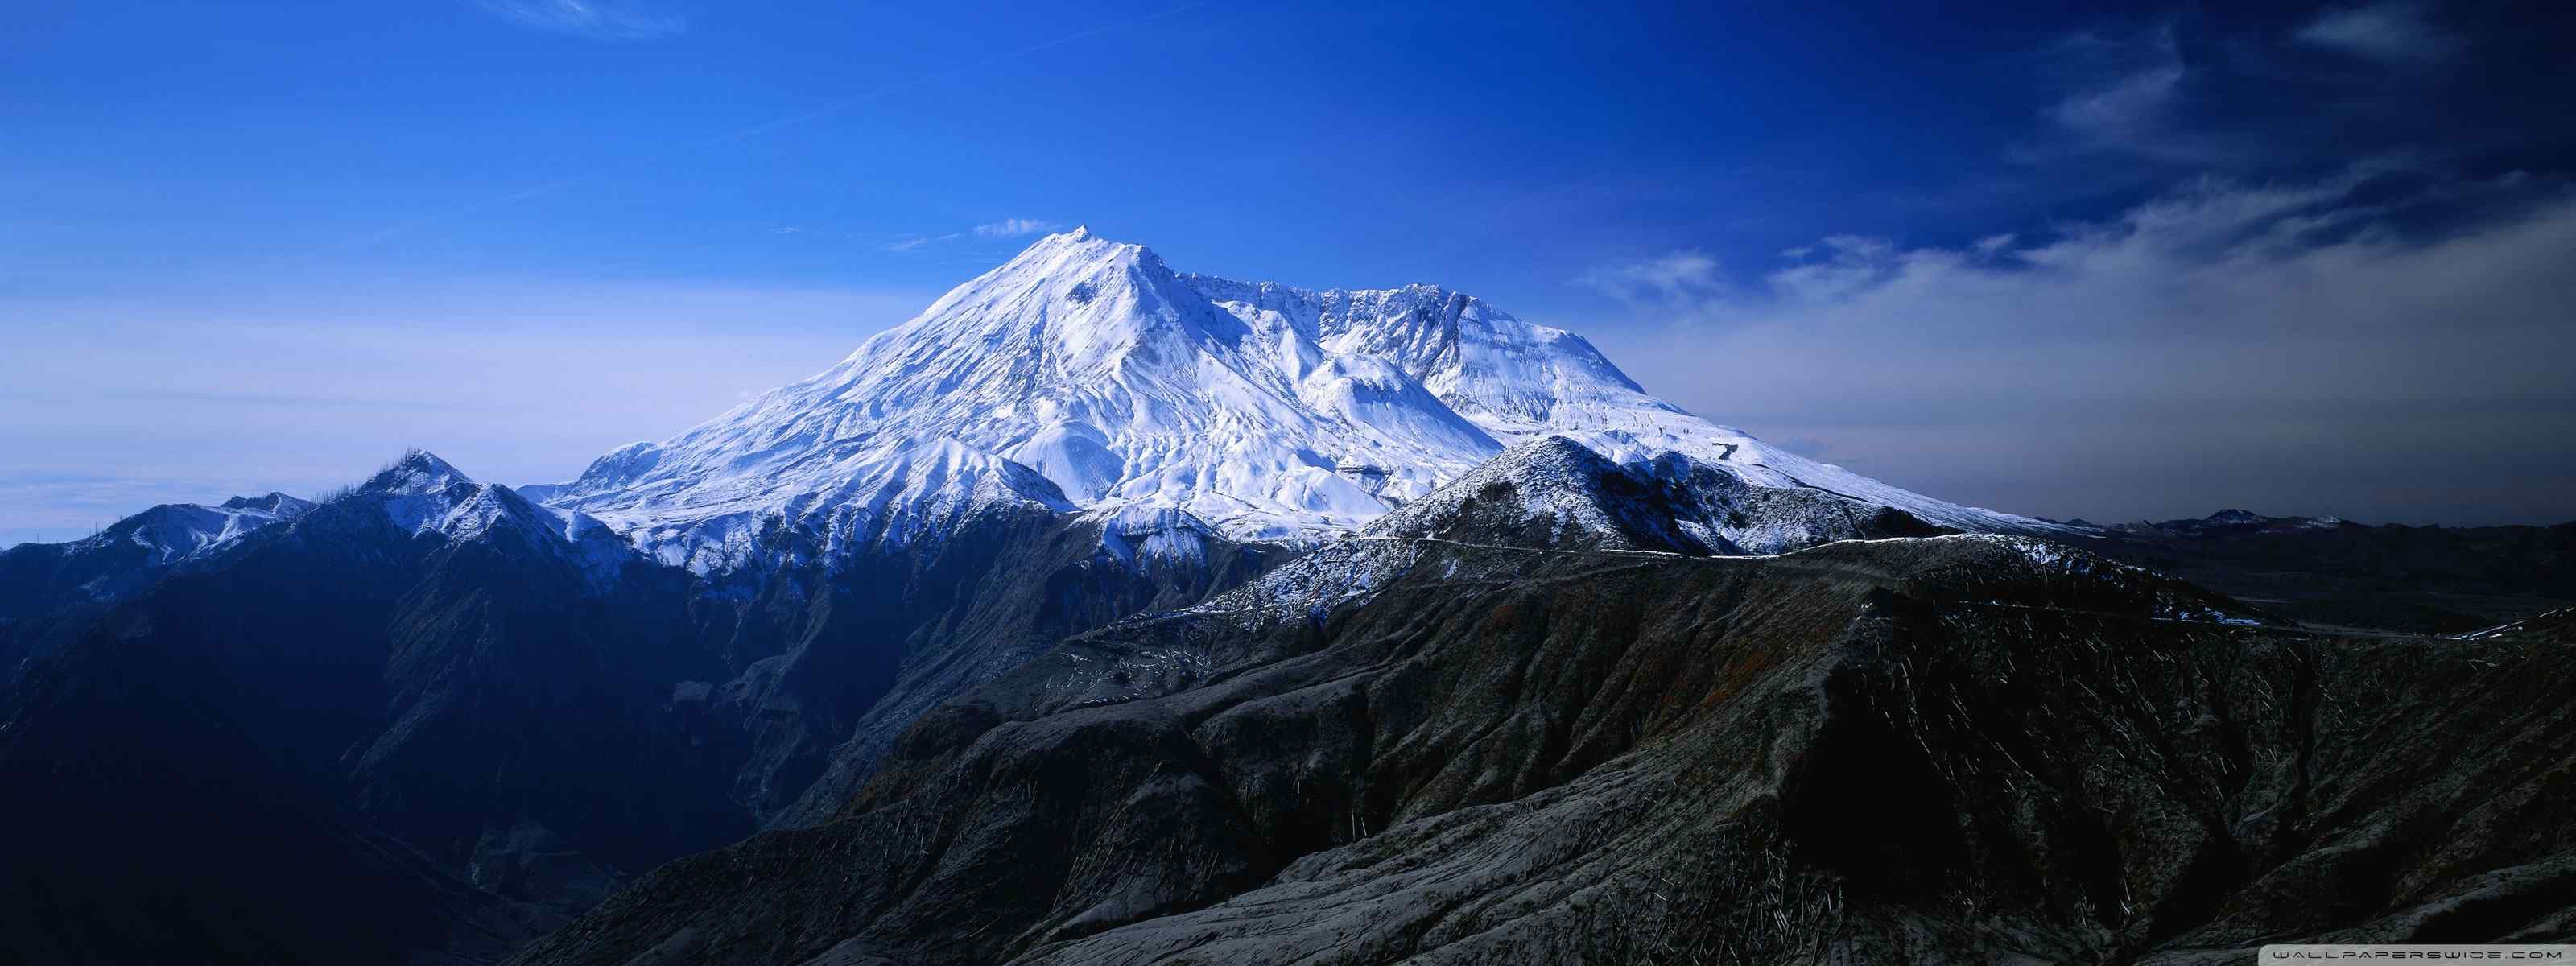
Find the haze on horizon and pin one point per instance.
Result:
(2122, 263)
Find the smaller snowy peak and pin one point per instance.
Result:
(1140, 537)
(175, 532)
(1549, 493)
(494, 512)
(134, 553)
(418, 492)
(424, 497)
(1556, 493)
(419, 472)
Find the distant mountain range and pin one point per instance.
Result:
(1103, 613)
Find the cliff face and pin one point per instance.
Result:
(1933, 750)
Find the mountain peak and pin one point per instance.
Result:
(419, 471)
(1545, 492)
(1074, 248)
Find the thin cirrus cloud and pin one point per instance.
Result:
(2124, 94)
(1013, 228)
(1005, 228)
(2392, 32)
(607, 20)
(2123, 108)
(2292, 347)
(918, 242)
(2191, 94)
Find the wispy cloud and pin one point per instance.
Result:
(1014, 228)
(1005, 228)
(2124, 108)
(609, 20)
(2390, 32)
(2192, 94)
(2128, 93)
(1682, 275)
(917, 242)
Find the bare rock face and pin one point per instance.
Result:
(1953, 749)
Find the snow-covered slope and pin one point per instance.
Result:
(1086, 374)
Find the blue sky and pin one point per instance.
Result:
(2109, 262)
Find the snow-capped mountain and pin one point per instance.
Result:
(1086, 374)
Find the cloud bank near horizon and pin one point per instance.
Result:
(2366, 345)
(139, 401)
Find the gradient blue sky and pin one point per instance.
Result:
(2111, 262)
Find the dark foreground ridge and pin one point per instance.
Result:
(1953, 749)
(429, 720)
